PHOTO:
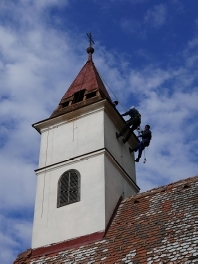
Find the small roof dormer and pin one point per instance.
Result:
(86, 89)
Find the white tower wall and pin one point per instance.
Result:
(119, 150)
(52, 224)
(72, 137)
(116, 184)
(83, 140)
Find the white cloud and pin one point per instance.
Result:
(193, 43)
(147, 80)
(49, 3)
(130, 25)
(14, 234)
(156, 16)
(132, 1)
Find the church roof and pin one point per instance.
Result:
(157, 226)
(87, 88)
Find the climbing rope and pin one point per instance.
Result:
(112, 92)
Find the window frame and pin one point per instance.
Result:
(59, 203)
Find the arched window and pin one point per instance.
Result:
(68, 188)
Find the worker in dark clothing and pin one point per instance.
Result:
(115, 103)
(133, 123)
(146, 136)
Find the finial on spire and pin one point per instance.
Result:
(90, 39)
(90, 49)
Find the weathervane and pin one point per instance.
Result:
(90, 39)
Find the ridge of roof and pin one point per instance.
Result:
(163, 188)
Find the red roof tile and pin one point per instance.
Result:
(158, 226)
(88, 80)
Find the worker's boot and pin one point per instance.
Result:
(124, 140)
(117, 135)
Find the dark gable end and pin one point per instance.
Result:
(158, 226)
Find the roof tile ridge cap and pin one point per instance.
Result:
(24, 256)
(99, 78)
(161, 188)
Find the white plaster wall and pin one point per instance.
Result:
(115, 186)
(116, 147)
(72, 138)
(52, 224)
(102, 181)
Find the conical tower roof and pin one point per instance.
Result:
(87, 88)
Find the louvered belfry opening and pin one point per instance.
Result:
(69, 188)
(78, 96)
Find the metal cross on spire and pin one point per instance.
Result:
(90, 39)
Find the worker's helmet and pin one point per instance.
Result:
(147, 126)
(132, 107)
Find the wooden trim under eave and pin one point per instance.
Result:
(73, 243)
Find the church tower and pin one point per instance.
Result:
(84, 171)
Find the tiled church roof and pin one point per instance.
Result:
(157, 226)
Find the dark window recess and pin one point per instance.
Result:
(90, 95)
(69, 188)
(65, 104)
(78, 96)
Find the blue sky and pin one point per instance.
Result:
(147, 53)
